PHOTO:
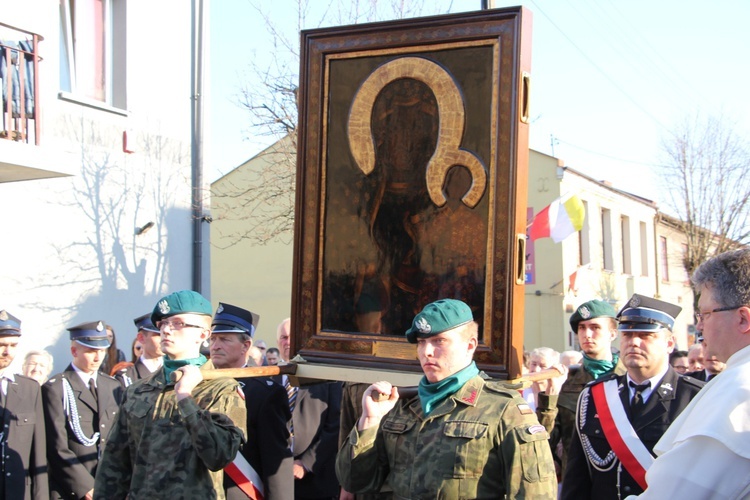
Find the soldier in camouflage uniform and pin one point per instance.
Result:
(463, 436)
(173, 440)
(594, 322)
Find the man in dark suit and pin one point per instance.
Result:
(80, 406)
(264, 463)
(23, 462)
(710, 365)
(316, 412)
(315, 420)
(620, 418)
(151, 359)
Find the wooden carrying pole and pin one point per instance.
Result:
(525, 381)
(245, 372)
(291, 369)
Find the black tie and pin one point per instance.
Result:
(92, 388)
(636, 404)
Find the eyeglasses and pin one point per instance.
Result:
(175, 324)
(703, 315)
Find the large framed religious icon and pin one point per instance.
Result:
(411, 185)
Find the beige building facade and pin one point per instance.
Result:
(623, 248)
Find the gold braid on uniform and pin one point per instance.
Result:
(601, 464)
(71, 411)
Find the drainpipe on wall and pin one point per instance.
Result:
(196, 148)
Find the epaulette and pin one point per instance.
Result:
(604, 378)
(501, 387)
(692, 381)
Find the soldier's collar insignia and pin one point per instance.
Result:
(667, 386)
(163, 306)
(584, 312)
(423, 326)
(471, 398)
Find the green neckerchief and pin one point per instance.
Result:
(431, 395)
(599, 367)
(171, 365)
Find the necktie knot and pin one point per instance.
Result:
(640, 387)
(637, 402)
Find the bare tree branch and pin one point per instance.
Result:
(706, 181)
(262, 196)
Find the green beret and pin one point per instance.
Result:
(590, 310)
(438, 317)
(182, 302)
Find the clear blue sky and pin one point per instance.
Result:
(609, 78)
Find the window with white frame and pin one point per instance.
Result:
(92, 50)
(663, 258)
(644, 249)
(584, 250)
(626, 256)
(607, 257)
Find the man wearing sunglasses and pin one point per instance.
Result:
(171, 440)
(705, 453)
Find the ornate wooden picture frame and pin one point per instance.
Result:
(411, 185)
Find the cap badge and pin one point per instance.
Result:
(220, 309)
(163, 306)
(3, 315)
(100, 327)
(423, 326)
(584, 312)
(635, 301)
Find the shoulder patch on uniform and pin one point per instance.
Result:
(535, 429)
(525, 409)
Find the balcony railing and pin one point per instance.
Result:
(19, 78)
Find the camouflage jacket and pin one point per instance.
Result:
(162, 448)
(482, 442)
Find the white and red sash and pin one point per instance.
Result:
(245, 477)
(620, 434)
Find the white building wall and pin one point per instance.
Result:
(71, 252)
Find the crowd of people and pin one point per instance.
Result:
(626, 418)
